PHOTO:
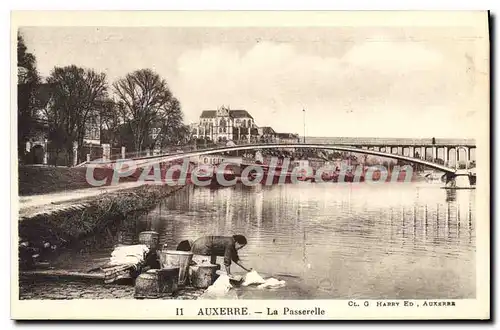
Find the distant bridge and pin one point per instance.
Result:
(455, 178)
(151, 160)
(393, 142)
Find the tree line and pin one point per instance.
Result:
(137, 111)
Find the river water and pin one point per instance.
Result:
(335, 241)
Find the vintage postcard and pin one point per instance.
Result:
(250, 165)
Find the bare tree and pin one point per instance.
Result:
(76, 97)
(110, 122)
(26, 64)
(173, 131)
(142, 97)
(27, 102)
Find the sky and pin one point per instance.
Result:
(407, 82)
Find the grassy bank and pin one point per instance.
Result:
(99, 222)
(34, 180)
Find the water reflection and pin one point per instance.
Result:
(342, 241)
(451, 195)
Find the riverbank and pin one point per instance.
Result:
(85, 228)
(77, 240)
(38, 180)
(33, 205)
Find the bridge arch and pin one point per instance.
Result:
(465, 150)
(147, 161)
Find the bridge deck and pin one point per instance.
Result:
(149, 160)
(392, 142)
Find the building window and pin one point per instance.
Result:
(223, 125)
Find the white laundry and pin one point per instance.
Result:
(252, 277)
(272, 283)
(129, 254)
(221, 289)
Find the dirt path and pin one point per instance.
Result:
(30, 206)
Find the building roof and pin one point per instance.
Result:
(287, 135)
(208, 114)
(239, 114)
(268, 130)
(232, 113)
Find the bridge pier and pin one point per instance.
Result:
(445, 155)
(461, 179)
(470, 153)
(467, 155)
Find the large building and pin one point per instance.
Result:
(225, 124)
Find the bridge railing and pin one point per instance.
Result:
(391, 141)
(179, 149)
(177, 153)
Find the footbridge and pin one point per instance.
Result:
(451, 173)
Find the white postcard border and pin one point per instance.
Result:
(335, 309)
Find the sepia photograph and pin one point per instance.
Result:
(319, 165)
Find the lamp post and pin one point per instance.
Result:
(304, 112)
